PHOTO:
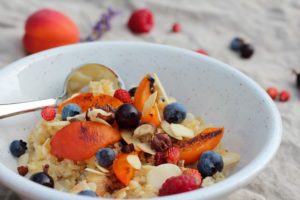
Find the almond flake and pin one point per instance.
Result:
(159, 174)
(160, 88)
(149, 103)
(138, 145)
(181, 131)
(167, 128)
(134, 161)
(102, 169)
(145, 147)
(94, 171)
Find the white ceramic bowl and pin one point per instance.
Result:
(219, 93)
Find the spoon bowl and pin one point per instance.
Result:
(77, 81)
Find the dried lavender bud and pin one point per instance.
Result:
(102, 25)
(161, 142)
(127, 148)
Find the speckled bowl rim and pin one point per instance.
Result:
(30, 189)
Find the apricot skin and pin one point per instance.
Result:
(48, 28)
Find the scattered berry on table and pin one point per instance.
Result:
(159, 158)
(176, 27)
(105, 157)
(89, 193)
(48, 113)
(132, 91)
(18, 148)
(43, 179)
(70, 110)
(284, 96)
(141, 21)
(22, 170)
(195, 173)
(122, 95)
(273, 92)
(236, 43)
(209, 163)
(246, 51)
(172, 155)
(201, 51)
(127, 116)
(174, 113)
(178, 184)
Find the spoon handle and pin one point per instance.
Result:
(7, 110)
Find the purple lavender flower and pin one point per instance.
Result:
(103, 25)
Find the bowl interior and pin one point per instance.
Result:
(208, 88)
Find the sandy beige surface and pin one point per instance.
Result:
(273, 27)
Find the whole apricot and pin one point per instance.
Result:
(48, 28)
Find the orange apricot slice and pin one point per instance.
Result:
(141, 95)
(122, 169)
(191, 149)
(88, 100)
(81, 140)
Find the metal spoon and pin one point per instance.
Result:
(76, 81)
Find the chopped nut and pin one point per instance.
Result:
(22, 170)
(144, 132)
(161, 142)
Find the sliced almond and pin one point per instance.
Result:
(160, 88)
(157, 111)
(145, 147)
(181, 131)
(101, 121)
(167, 128)
(149, 103)
(138, 145)
(94, 171)
(80, 117)
(230, 159)
(144, 130)
(23, 160)
(102, 169)
(134, 161)
(158, 175)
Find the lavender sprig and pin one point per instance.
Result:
(102, 26)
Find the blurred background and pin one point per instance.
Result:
(271, 27)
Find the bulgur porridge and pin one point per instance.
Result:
(113, 143)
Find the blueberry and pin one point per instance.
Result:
(18, 148)
(43, 179)
(209, 163)
(246, 51)
(174, 113)
(236, 43)
(70, 110)
(105, 157)
(89, 193)
(132, 91)
(127, 116)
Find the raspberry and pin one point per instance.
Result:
(48, 113)
(201, 51)
(195, 173)
(172, 155)
(122, 95)
(176, 27)
(159, 158)
(178, 184)
(141, 21)
(273, 92)
(284, 96)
